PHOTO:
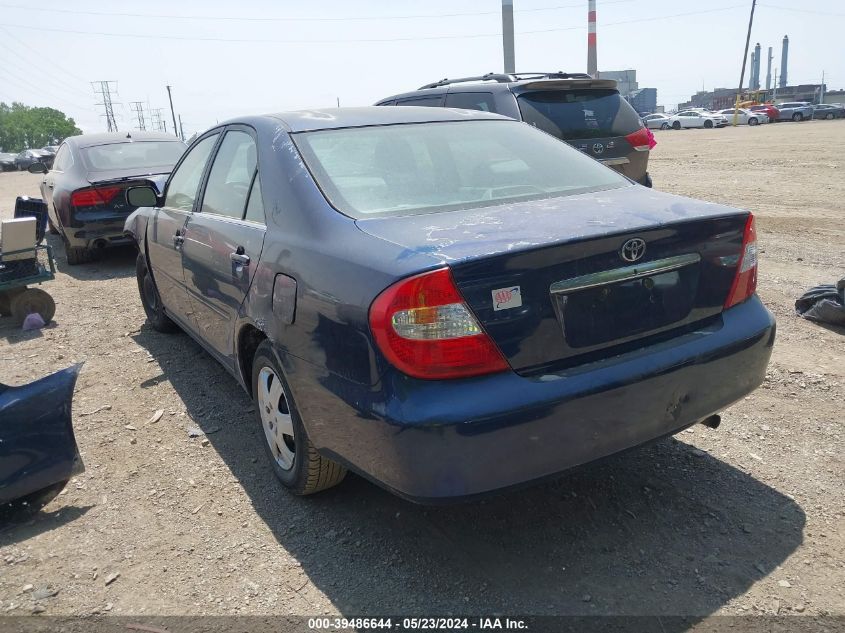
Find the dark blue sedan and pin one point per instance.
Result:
(447, 302)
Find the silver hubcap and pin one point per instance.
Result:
(275, 417)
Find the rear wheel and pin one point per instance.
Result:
(31, 301)
(297, 464)
(664, 126)
(77, 255)
(753, 121)
(797, 117)
(708, 124)
(676, 125)
(150, 299)
(829, 116)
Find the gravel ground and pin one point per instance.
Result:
(746, 519)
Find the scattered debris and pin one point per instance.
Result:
(42, 593)
(105, 407)
(784, 583)
(156, 416)
(129, 427)
(112, 577)
(33, 322)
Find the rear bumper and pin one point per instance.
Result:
(432, 441)
(98, 234)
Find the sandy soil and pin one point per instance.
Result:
(747, 519)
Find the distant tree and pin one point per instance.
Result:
(23, 127)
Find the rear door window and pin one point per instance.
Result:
(432, 101)
(579, 114)
(471, 101)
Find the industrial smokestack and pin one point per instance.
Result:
(751, 73)
(507, 36)
(769, 71)
(784, 57)
(592, 62)
(756, 85)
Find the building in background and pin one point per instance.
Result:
(643, 100)
(722, 98)
(626, 80)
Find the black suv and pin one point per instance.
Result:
(587, 113)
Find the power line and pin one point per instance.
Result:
(104, 89)
(65, 85)
(774, 6)
(39, 54)
(252, 40)
(39, 90)
(233, 18)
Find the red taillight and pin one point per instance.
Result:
(424, 328)
(94, 197)
(745, 281)
(639, 140)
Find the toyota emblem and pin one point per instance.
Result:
(598, 148)
(633, 250)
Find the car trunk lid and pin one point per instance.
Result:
(548, 281)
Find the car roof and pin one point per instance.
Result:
(105, 138)
(492, 85)
(336, 118)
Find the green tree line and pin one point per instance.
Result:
(24, 127)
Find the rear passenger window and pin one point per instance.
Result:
(255, 206)
(63, 160)
(231, 174)
(471, 101)
(433, 102)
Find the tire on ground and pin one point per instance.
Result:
(30, 301)
(150, 299)
(310, 472)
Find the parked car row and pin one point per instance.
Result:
(753, 115)
(22, 160)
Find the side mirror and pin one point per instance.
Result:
(37, 168)
(142, 197)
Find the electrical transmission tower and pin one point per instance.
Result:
(138, 108)
(106, 91)
(157, 123)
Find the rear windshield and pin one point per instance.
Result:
(134, 155)
(579, 114)
(429, 167)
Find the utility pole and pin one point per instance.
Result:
(744, 59)
(507, 36)
(821, 90)
(105, 90)
(181, 129)
(138, 108)
(173, 113)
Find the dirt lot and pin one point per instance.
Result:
(747, 519)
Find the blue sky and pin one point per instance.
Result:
(289, 55)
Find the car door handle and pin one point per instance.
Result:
(178, 240)
(239, 258)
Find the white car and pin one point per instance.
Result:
(745, 117)
(697, 118)
(657, 121)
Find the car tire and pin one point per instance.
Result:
(797, 117)
(708, 124)
(295, 461)
(32, 300)
(753, 121)
(829, 116)
(77, 255)
(676, 125)
(6, 297)
(150, 299)
(664, 126)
